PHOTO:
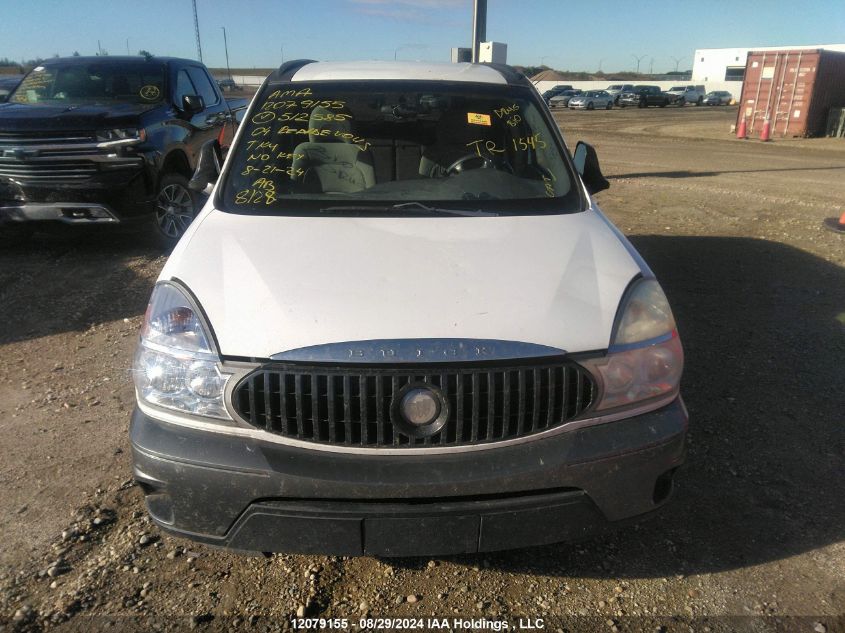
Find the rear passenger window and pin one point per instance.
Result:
(203, 85)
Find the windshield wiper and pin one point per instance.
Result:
(416, 206)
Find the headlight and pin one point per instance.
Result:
(645, 359)
(120, 136)
(177, 365)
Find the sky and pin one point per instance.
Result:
(585, 35)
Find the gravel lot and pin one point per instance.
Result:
(753, 541)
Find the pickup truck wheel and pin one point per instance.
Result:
(176, 207)
(641, 104)
(700, 101)
(681, 102)
(590, 105)
(609, 105)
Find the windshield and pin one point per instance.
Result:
(91, 83)
(346, 145)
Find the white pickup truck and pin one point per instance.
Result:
(688, 94)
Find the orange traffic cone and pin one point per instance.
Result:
(766, 133)
(742, 131)
(837, 226)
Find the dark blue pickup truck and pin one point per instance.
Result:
(108, 140)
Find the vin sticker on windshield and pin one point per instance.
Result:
(478, 119)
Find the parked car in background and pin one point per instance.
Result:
(108, 140)
(644, 96)
(562, 100)
(615, 90)
(591, 99)
(555, 91)
(520, 388)
(687, 94)
(7, 84)
(718, 97)
(227, 85)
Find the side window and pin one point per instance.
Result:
(203, 85)
(183, 87)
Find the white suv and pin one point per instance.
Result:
(402, 326)
(688, 94)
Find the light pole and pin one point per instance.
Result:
(226, 46)
(677, 61)
(651, 66)
(282, 51)
(127, 46)
(639, 59)
(601, 61)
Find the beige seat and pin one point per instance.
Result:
(332, 163)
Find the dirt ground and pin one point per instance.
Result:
(754, 539)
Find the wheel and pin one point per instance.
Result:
(609, 105)
(15, 234)
(176, 207)
(682, 102)
(641, 104)
(700, 101)
(590, 105)
(664, 104)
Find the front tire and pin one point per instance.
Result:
(682, 102)
(700, 101)
(176, 207)
(590, 105)
(609, 105)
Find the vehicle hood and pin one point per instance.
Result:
(271, 284)
(27, 117)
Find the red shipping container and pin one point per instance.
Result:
(793, 89)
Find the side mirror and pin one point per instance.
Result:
(208, 167)
(192, 104)
(587, 165)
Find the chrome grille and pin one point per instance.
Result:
(48, 157)
(47, 171)
(352, 406)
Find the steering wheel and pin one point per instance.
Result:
(486, 162)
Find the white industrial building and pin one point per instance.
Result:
(726, 66)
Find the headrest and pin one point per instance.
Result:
(338, 122)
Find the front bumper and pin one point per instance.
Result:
(252, 495)
(115, 193)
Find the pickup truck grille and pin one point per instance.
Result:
(47, 171)
(47, 157)
(352, 406)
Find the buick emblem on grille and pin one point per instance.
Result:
(419, 409)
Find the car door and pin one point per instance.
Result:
(207, 123)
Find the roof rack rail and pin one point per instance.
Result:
(288, 69)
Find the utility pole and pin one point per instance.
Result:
(197, 30)
(677, 61)
(99, 48)
(639, 59)
(601, 61)
(651, 66)
(127, 46)
(479, 27)
(226, 46)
